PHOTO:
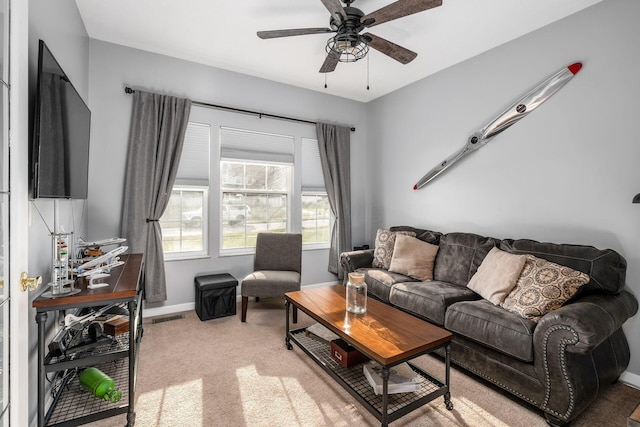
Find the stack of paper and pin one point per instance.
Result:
(402, 378)
(320, 333)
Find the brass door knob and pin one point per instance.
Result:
(30, 283)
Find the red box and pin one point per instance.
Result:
(345, 354)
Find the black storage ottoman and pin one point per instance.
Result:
(215, 295)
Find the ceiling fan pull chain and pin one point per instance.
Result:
(368, 56)
(325, 80)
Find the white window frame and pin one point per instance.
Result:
(183, 255)
(312, 183)
(316, 245)
(289, 194)
(193, 174)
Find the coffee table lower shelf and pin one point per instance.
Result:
(354, 381)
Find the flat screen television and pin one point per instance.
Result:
(60, 155)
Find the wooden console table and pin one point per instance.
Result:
(72, 406)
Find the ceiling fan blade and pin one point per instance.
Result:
(329, 64)
(272, 34)
(390, 49)
(334, 7)
(399, 9)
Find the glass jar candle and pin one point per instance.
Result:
(356, 294)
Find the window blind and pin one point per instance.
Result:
(194, 160)
(239, 144)
(312, 177)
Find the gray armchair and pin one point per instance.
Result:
(277, 269)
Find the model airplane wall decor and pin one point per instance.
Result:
(511, 115)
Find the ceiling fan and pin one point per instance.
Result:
(348, 45)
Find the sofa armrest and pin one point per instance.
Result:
(579, 348)
(351, 261)
(592, 319)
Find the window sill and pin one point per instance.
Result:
(185, 257)
(239, 252)
(315, 246)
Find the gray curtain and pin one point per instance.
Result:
(333, 142)
(158, 125)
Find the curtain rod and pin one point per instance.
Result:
(128, 90)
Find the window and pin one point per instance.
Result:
(316, 212)
(316, 219)
(256, 171)
(184, 222)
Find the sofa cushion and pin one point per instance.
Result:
(413, 257)
(385, 242)
(543, 286)
(429, 299)
(428, 236)
(380, 281)
(492, 326)
(606, 268)
(459, 256)
(497, 275)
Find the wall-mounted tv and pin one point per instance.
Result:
(60, 155)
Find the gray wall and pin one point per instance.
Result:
(113, 67)
(565, 174)
(60, 26)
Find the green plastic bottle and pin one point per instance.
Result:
(100, 384)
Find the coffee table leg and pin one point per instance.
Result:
(287, 340)
(447, 359)
(385, 396)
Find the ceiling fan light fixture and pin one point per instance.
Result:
(347, 48)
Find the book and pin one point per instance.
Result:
(402, 379)
(320, 333)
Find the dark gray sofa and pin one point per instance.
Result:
(559, 364)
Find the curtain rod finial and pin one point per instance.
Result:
(128, 90)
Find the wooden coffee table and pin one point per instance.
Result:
(385, 334)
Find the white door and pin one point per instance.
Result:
(4, 214)
(15, 316)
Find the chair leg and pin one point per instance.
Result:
(245, 302)
(295, 315)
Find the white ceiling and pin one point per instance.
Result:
(223, 34)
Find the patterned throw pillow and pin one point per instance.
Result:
(385, 241)
(543, 286)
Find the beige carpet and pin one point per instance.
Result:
(226, 373)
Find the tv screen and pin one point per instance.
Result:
(60, 156)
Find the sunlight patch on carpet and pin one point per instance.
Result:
(270, 400)
(347, 415)
(174, 405)
(473, 413)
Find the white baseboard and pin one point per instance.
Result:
(177, 308)
(169, 309)
(630, 379)
(318, 285)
